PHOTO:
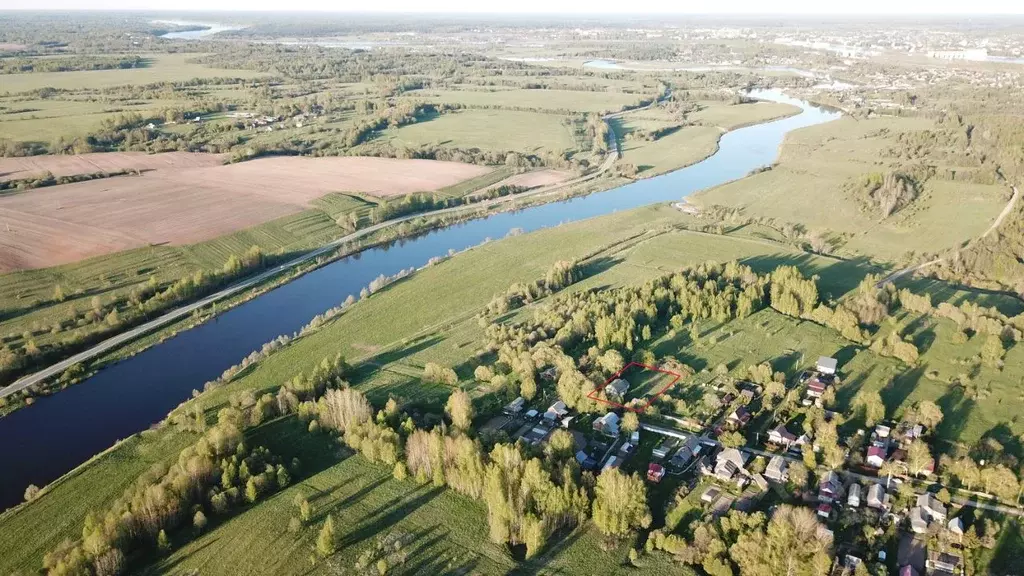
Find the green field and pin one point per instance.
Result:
(553, 100)
(806, 187)
(685, 146)
(488, 130)
(731, 117)
(161, 68)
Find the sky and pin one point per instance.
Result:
(924, 7)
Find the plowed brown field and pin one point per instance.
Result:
(61, 224)
(34, 166)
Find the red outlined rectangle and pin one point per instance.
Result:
(638, 409)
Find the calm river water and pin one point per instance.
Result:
(57, 433)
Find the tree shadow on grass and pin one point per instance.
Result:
(352, 498)
(372, 364)
(426, 560)
(836, 277)
(1004, 435)
(900, 388)
(540, 564)
(956, 408)
(387, 516)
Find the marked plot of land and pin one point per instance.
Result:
(635, 387)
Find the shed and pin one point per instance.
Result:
(827, 365)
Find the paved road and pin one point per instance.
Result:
(183, 311)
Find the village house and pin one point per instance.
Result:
(687, 451)
(556, 411)
(710, 495)
(730, 462)
(777, 469)
(853, 497)
(739, 417)
(942, 563)
(876, 456)
(616, 388)
(780, 436)
(815, 389)
(830, 487)
(877, 497)
(607, 424)
(927, 510)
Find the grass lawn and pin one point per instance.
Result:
(162, 68)
(806, 187)
(552, 100)
(489, 130)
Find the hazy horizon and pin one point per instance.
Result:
(563, 7)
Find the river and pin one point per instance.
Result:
(42, 442)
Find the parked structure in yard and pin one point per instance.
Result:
(655, 472)
(777, 469)
(616, 388)
(827, 365)
(515, 406)
(853, 497)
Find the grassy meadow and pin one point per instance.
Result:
(806, 187)
(394, 333)
(488, 130)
